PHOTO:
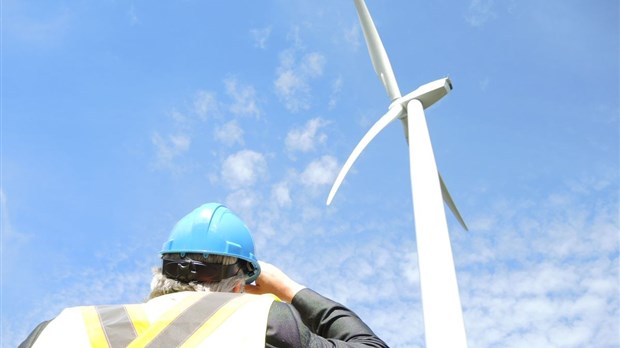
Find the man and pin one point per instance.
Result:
(197, 300)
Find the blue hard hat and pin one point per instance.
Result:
(212, 229)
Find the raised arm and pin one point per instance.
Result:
(308, 319)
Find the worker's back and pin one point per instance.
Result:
(190, 319)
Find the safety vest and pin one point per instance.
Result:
(185, 319)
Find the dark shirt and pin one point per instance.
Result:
(314, 321)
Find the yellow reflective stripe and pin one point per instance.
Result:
(216, 320)
(96, 335)
(138, 318)
(160, 324)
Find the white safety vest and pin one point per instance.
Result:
(184, 319)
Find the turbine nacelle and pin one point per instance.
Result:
(427, 94)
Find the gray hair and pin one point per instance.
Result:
(162, 285)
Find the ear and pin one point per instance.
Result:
(237, 289)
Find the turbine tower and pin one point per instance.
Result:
(441, 305)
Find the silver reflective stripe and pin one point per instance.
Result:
(190, 320)
(117, 325)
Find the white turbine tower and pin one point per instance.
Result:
(443, 315)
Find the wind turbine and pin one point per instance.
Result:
(441, 305)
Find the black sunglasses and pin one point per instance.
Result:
(188, 270)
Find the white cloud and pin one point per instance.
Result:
(260, 37)
(320, 172)
(244, 100)
(10, 237)
(167, 149)
(205, 104)
(480, 12)
(548, 303)
(292, 79)
(543, 274)
(230, 133)
(242, 202)
(281, 195)
(305, 139)
(352, 35)
(594, 182)
(172, 144)
(243, 169)
(335, 94)
(290, 86)
(295, 37)
(312, 65)
(179, 118)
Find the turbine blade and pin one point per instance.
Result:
(441, 304)
(448, 199)
(390, 116)
(378, 56)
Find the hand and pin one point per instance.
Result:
(273, 281)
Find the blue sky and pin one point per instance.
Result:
(119, 117)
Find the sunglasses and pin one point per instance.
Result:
(188, 270)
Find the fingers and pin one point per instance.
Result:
(272, 280)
